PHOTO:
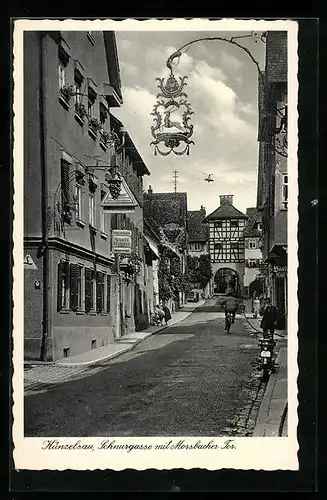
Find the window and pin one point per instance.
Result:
(196, 247)
(103, 116)
(234, 223)
(78, 82)
(252, 244)
(102, 213)
(61, 74)
(78, 201)
(92, 96)
(63, 286)
(285, 192)
(218, 246)
(234, 246)
(63, 59)
(114, 221)
(108, 292)
(90, 36)
(89, 290)
(92, 209)
(100, 291)
(65, 191)
(75, 287)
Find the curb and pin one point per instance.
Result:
(261, 423)
(112, 355)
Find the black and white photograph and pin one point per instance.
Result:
(155, 244)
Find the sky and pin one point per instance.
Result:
(222, 87)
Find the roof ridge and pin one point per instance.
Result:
(227, 210)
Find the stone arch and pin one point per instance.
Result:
(227, 280)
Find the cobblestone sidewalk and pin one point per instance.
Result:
(39, 377)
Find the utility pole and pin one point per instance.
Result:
(175, 180)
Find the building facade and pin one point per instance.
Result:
(253, 253)
(72, 296)
(198, 248)
(272, 198)
(152, 250)
(226, 246)
(167, 214)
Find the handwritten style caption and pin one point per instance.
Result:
(113, 445)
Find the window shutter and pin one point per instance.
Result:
(74, 270)
(88, 290)
(60, 277)
(65, 186)
(99, 291)
(108, 292)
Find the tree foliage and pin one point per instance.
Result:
(171, 279)
(199, 270)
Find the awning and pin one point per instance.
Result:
(152, 246)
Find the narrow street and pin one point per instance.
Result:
(190, 379)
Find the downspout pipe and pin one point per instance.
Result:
(44, 191)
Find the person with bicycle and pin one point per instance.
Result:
(229, 304)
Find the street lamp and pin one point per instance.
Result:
(172, 112)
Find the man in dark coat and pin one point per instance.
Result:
(269, 318)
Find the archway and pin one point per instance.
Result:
(226, 280)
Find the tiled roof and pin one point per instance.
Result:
(161, 209)
(255, 216)
(197, 230)
(226, 211)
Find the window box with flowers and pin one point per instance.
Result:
(66, 92)
(80, 112)
(94, 127)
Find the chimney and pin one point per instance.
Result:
(203, 210)
(226, 198)
(150, 190)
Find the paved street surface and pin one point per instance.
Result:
(190, 379)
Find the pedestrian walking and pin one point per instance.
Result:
(256, 307)
(269, 318)
(166, 310)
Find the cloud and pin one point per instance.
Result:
(225, 119)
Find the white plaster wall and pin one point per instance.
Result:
(253, 253)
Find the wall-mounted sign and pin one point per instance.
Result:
(29, 262)
(125, 202)
(121, 241)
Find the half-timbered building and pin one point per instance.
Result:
(226, 246)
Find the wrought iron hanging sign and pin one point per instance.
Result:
(172, 112)
(281, 131)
